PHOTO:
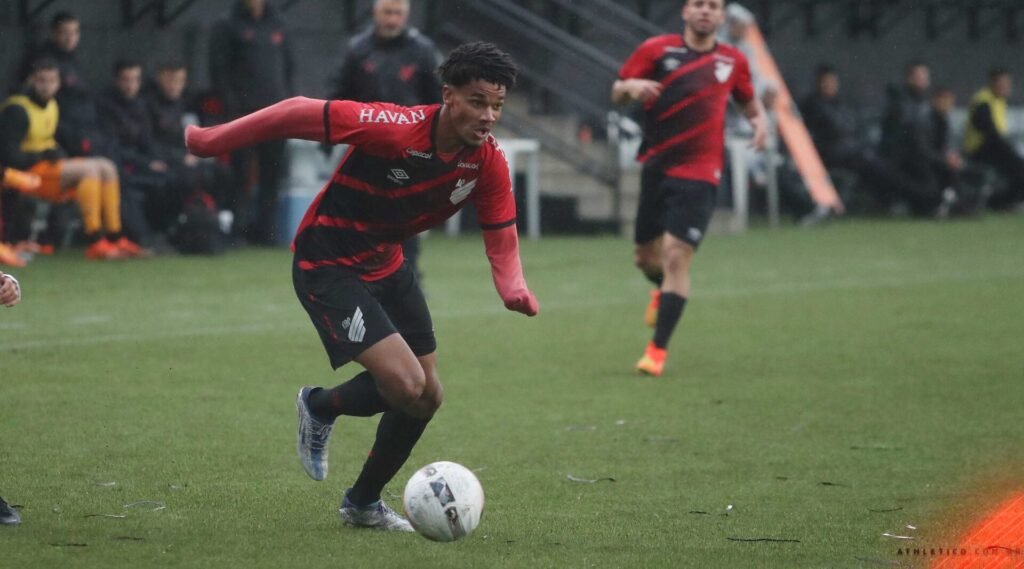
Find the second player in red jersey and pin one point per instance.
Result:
(684, 82)
(408, 169)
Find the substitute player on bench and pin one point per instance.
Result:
(684, 82)
(408, 169)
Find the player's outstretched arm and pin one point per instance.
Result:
(503, 252)
(298, 117)
(10, 290)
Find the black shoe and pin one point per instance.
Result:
(8, 515)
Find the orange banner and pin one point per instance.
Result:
(792, 128)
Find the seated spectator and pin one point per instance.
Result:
(986, 138)
(905, 146)
(28, 125)
(168, 111)
(946, 163)
(125, 120)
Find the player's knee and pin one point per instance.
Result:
(432, 396)
(646, 262)
(406, 387)
(675, 259)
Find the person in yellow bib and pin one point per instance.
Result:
(28, 125)
(986, 138)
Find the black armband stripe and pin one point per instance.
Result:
(493, 226)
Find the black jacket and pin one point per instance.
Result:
(905, 126)
(831, 125)
(251, 62)
(402, 70)
(126, 125)
(167, 120)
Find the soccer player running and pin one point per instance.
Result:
(408, 169)
(683, 82)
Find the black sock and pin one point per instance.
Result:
(397, 433)
(656, 277)
(670, 310)
(357, 397)
(91, 238)
(114, 237)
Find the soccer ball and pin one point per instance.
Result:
(444, 501)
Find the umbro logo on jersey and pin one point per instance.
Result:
(671, 64)
(469, 165)
(462, 189)
(694, 234)
(723, 69)
(356, 326)
(398, 176)
(418, 154)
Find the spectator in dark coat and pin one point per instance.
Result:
(251, 67)
(905, 146)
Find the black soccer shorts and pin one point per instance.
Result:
(351, 315)
(683, 208)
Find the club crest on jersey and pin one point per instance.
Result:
(384, 116)
(723, 69)
(670, 64)
(462, 189)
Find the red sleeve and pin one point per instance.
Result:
(743, 86)
(297, 117)
(640, 64)
(495, 203)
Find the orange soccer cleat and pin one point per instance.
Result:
(651, 315)
(103, 250)
(9, 257)
(129, 248)
(653, 361)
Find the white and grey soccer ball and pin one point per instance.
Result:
(444, 501)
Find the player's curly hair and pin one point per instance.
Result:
(478, 60)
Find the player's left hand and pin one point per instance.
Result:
(523, 302)
(10, 294)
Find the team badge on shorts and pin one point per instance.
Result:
(356, 326)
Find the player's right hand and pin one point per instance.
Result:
(196, 142)
(644, 90)
(523, 302)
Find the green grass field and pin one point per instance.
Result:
(831, 385)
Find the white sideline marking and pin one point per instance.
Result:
(773, 288)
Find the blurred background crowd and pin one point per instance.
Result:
(909, 106)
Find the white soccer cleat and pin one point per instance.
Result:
(376, 516)
(312, 438)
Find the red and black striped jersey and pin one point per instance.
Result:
(684, 130)
(393, 184)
